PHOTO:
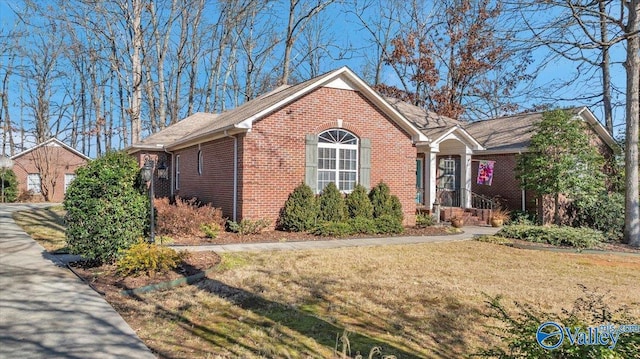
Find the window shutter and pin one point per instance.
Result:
(311, 162)
(365, 163)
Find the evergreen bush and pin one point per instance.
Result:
(358, 203)
(10, 185)
(363, 225)
(389, 224)
(559, 236)
(333, 229)
(332, 207)
(300, 211)
(384, 203)
(604, 213)
(106, 211)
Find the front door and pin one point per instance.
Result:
(419, 181)
(449, 181)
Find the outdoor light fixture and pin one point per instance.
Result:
(6, 164)
(163, 171)
(147, 176)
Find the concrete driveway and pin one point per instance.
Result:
(47, 312)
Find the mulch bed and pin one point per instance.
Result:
(282, 236)
(105, 279)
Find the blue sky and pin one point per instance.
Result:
(346, 32)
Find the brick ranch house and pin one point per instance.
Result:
(333, 128)
(45, 170)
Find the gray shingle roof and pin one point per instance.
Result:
(504, 133)
(254, 107)
(430, 123)
(179, 130)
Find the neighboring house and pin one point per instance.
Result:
(45, 171)
(333, 128)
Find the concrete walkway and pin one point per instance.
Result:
(47, 312)
(469, 232)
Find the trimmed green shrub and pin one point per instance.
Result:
(425, 220)
(604, 213)
(389, 224)
(300, 211)
(384, 203)
(517, 329)
(559, 236)
(248, 226)
(106, 211)
(380, 197)
(396, 207)
(333, 229)
(148, 258)
(358, 203)
(10, 185)
(363, 225)
(332, 207)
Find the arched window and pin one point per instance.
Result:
(337, 159)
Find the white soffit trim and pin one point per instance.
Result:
(340, 83)
(587, 115)
(458, 133)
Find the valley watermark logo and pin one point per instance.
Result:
(551, 335)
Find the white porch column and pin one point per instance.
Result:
(465, 178)
(430, 166)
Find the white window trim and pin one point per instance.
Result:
(337, 170)
(68, 182)
(34, 187)
(177, 175)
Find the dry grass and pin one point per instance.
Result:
(415, 301)
(46, 226)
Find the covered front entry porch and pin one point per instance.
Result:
(443, 173)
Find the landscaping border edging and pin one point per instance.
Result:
(167, 285)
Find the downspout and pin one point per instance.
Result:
(173, 172)
(523, 194)
(235, 174)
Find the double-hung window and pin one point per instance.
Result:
(33, 183)
(337, 159)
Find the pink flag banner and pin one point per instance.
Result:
(485, 172)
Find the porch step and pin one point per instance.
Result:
(470, 216)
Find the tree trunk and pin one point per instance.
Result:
(556, 209)
(632, 66)
(136, 71)
(606, 70)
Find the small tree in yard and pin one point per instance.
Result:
(106, 210)
(561, 160)
(10, 185)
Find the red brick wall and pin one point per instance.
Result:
(274, 150)
(504, 187)
(215, 184)
(52, 162)
(162, 187)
